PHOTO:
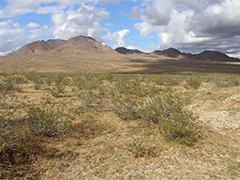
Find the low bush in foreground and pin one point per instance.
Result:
(48, 119)
(166, 110)
(16, 142)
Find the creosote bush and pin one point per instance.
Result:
(87, 99)
(11, 83)
(16, 142)
(48, 119)
(193, 82)
(57, 90)
(166, 110)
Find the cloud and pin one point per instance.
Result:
(13, 35)
(189, 25)
(19, 7)
(135, 14)
(158, 13)
(66, 21)
(32, 25)
(118, 37)
(110, 1)
(83, 21)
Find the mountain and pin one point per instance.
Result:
(171, 52)
(73, 46)
(88, 47)
(124, 50)
(204, 56)
(85, 54)
(213, 56)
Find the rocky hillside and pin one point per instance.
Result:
(73, 46)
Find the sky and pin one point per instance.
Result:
(188, 25)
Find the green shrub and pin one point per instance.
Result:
(48, 119)
(11, 83)
(57, 90)
(87, 99)
(193, 82)
(180, 128)
(225, 81)
(16, 142)
(166, 110)
(125, 107)
(87, 82)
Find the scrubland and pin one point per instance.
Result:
(119, 126)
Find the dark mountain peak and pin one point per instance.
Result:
(206, 55)
(213, 56)
(170, 52)
(124, 50)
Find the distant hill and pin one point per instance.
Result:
(124, 50)
(204, 56)
(171, 52)
(73, 46)
(213, 56)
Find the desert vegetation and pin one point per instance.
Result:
(78, 126)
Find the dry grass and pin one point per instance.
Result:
(100, 145)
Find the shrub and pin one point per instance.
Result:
(167, 110)
(180, 128)
(87, 99)
(140, 150)
(193, 82)
(125, 107)
(57, 90)
(16, 142)
(225, 81)
(86, 82)
(48, 119)
(11, 83)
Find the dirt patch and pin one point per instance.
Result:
(221, 119)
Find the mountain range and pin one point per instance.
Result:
(85, 54)
(206, 55)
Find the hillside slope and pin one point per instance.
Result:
(73, 46)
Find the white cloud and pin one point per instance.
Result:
(191, 24)
(83, 21)
(110, 1)
(119, 37)
(13, 35)
(32, 25)
(66, 21)
(145, 28)
(19, 7)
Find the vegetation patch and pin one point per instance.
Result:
(113, 121)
